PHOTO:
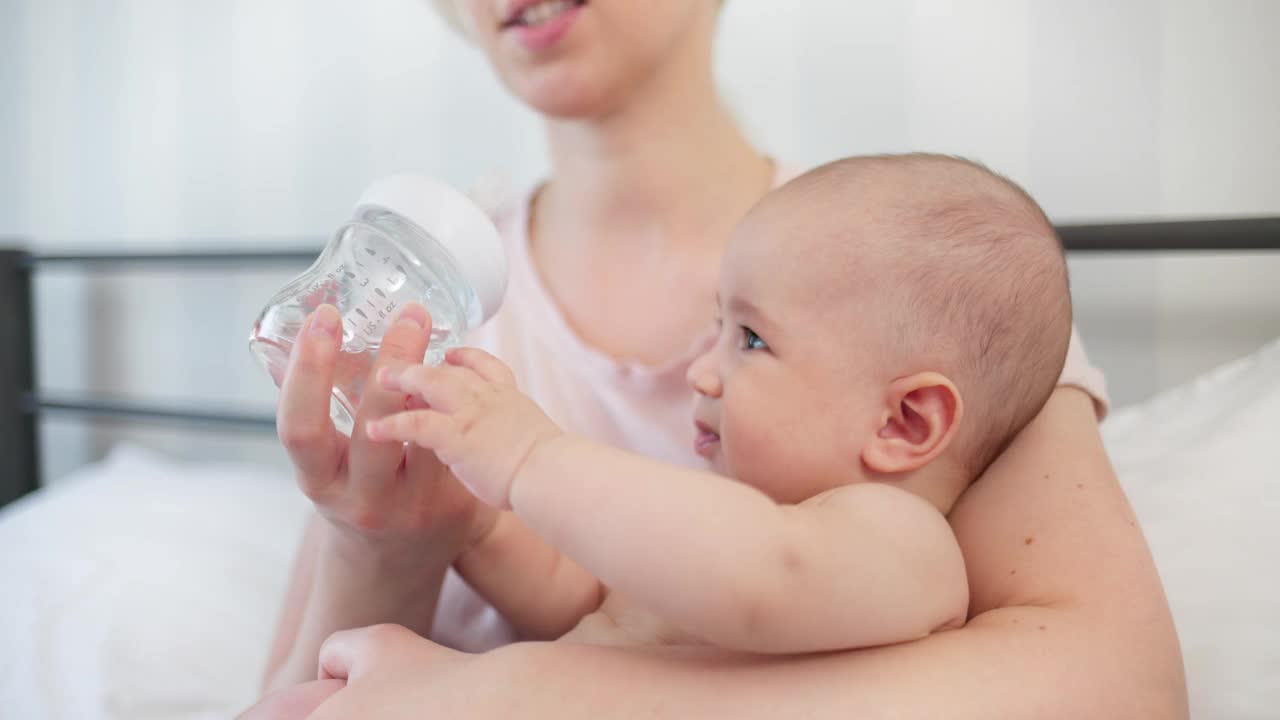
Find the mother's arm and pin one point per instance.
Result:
(390, 520)
(1068, 621)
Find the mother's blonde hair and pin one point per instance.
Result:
(449, 12)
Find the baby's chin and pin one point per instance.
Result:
(718, 465)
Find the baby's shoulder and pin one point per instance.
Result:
(861, 497)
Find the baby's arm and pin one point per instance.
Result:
(861, 565)
(538, 589)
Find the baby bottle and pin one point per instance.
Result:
(412, 239)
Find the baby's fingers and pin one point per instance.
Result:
(441, 387)
(425, 428)
(485, 365)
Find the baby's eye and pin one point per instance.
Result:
(752, 341)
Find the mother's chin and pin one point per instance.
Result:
(295, 703)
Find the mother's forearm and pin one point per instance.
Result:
(354, 586)
(1028, 662)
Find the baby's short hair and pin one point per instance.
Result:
(979, 284)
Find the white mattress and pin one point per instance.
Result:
(142, 588)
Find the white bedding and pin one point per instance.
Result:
(143, 588)
(1201, 465)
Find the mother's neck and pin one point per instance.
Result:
(668, 160)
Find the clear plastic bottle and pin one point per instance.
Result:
(412, 239)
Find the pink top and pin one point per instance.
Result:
(640, 408)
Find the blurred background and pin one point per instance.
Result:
(167, 124)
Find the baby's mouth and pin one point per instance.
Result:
(707, 440)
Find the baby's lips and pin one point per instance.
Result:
(704, 428)
(706, 439)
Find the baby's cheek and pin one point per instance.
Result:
(754, 451)
(788, 457)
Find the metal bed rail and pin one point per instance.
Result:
(22, 402)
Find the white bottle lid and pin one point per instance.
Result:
(454, 221)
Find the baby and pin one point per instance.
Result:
(887, 325)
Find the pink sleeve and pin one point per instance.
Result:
(1077, 372)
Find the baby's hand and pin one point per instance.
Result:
(475, 419)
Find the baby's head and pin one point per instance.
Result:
(894, 318)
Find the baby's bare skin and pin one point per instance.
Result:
(621, 623)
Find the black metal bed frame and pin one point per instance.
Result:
(22, 403)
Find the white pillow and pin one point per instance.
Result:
(1201, 465)
(143, 588)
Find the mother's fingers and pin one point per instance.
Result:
(302, 417)
(342, 654)
(392, 672)
(348, 654)
(294, 703)
(404, 343)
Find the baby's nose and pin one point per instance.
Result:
(702, 376)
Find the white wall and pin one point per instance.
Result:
(161, 121)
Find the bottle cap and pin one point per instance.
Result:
(454, 221)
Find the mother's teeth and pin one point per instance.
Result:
(545, 11)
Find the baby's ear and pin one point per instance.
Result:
(918, 422)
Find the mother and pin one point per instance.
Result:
(614, 265)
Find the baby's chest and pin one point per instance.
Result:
(619, 621)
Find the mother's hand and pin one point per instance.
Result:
(394, 518)
(392, 673)
(378, 496)
(295, 703)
